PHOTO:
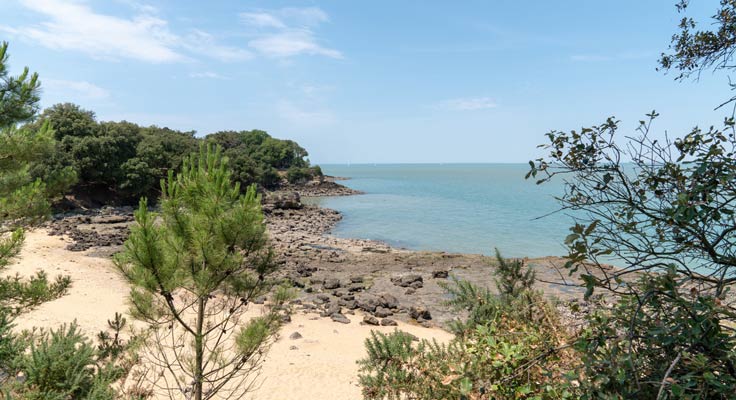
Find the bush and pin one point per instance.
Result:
(62, 365)
(508, 348)
(297, 175)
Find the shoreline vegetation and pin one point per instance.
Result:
(235, 288)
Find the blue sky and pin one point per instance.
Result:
(371, 81)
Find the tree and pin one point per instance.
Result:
(664, 211)
(193, 277)
(19, 96)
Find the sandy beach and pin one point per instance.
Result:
(319, 365)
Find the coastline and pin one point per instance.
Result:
(337, 276)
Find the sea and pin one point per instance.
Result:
(464, 208)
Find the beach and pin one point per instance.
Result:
(347, 288)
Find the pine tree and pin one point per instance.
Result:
(194, 268)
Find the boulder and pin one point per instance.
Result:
(419, 313)
(371, 320)
(284, 200)
(440, 274)
(408, 280)
(331, 283)
(382, 312)
(388, 322)
(340, 318)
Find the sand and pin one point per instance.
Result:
(321, 366)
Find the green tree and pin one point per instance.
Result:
(194, 275)
(663, 210)
(19, 96)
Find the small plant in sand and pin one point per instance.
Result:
(195, 267)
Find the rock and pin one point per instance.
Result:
(440, 274)
(340, 318)
(419, 312)
(293, 348)
(410, 291)
(356, 279)
(407, 280)
(286, 318)
(382, 312)
(356, 287)
(323, 297)
(316, 281)
(284, 200)
(331, 283)
(426, 324)
(295, 336)
(389, 301)
(333, 308)
(305, 271)
(349, 304)
(371, 320)
(259, 300)
(368, 304)
(417, 285)
(388, 322)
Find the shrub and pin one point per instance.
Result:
(510, 347)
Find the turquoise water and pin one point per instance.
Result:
(468, 208)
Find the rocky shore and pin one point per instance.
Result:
(336, 276)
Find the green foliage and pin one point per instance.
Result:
(62, 365)
(19, 96)
(508, 348)
(667, 343)
(206, 259)
(256, 156)
(297, 175)
(128, 161)
(18, 294)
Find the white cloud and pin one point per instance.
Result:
(202, 42)
(291, 43)
(75, 89)
(287, 32)
(306, 16)
(261, 19)
(207, 75)
(73, 25)
(469, 104)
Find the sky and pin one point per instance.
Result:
(379, 81)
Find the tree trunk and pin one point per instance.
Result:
(199, 350)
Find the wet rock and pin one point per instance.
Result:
(371, 320)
